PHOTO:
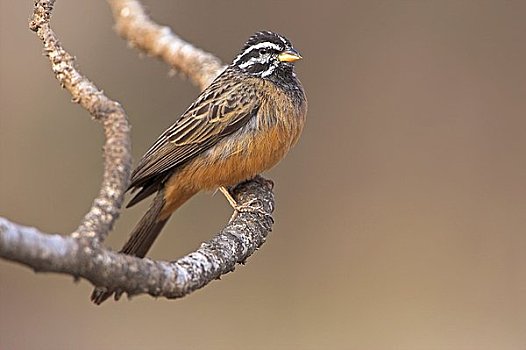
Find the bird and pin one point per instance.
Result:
(242, 124)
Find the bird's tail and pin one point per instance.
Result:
(141, 239)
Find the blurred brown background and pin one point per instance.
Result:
(400, 220)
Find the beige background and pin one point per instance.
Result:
(400, 220)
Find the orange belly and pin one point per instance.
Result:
(230, 162)
(240, 156)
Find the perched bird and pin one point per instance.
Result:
(244, 123)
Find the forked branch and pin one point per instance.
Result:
(81, 253)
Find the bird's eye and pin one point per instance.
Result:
(263, 51)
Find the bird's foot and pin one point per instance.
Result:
(248, 207)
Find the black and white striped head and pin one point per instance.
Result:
(266, 55)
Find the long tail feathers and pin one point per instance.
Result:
(140, 241)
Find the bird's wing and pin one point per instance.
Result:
(219, 111)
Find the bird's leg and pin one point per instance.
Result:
(239, 208)
(229, 197)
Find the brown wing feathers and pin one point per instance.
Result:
(207, 121)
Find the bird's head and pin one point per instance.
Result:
(267, 54)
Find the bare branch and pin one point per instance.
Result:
(135, 26)
(117, 149)
(81, 254)
(124, 273)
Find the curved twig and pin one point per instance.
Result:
(124, 273)
(117, 149)
(81, 254)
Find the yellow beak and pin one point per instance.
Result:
(289, 56)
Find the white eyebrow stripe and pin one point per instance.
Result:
(255, 47)
(260, 45)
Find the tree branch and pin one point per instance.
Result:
(124, 273)
(81, 254)
(134, 25)
(117, 155)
